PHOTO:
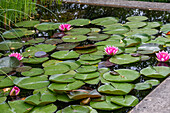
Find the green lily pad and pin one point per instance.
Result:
(78, 31)
(79, 22)
(53, 41)
(10, 44)
(75, 109)
(105, 105)
(90, 57)
(44, 109)
(5, 108)
(116, 88)
(80, 94)
(128, 100)
(153, 82)
(143, 37)
(62, 78)
(6, 81)
(14, 33)
(31, 23)
(36, 40)
(142, 31)
(89, 62)
(130, 50)
(124, 59)
(93, 81)
(58, 87)
(33, 72)
(132, 42)
(65, 55)
(46, 26)
(2, 99)
(63, 97)
(23, 68)
(165, 28)
(142, 86)
(104, 21)
(137, 18)
(86, 69)
(19, 106)
(156, 71)
(117, 30)
(149, 48)
(98, 37)
(74, 38)
(56, 69)
(34, 60)
(41, 99)
(116, 43)
(31, 82)
(123, 75)
(72, 64)
(86, 76)
(115, 37)
(86, 50)
(66, 46)
(135, 25)
(153, 24)
(51, 63)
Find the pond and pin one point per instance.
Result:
(63, 69)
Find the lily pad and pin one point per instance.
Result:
(58, 87)
(105, 105)
(53, 41)
(153, 82)
(142, 86)
(66, 46)
(86, 69)
(116, 88)
(46, 26)
(32, 82)
(33, 72)
(19, 106)
(34, 60)
(117, 30)
(153, 24)
(137, 18)
(56, 69)
(93, 81)
(90, 57)
(149, 48)
(80, 94)
(128, 100)
(98, 37)
(65, 55)
(89, 62)
(104, 21)
(6, 81)
(123, 75)
(79, 22)
(143, 37)
(135, 25)
(165, 28)
(86, 76)
(51, 63)
(156, 71)
(44, 109)
(116, 43)
(124, 59)
(86, 50)
(142, 31)
(72, 64)
(14, 33)
(9, 44)
(41, 99)
(78, 31)
(62, 78)
(75, 109)
(132, 42)
(31, 23)
(74, 38)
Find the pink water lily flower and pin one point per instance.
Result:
(163, 56)
(65, 27)
(15, 91)
(111, 50)
(17, 55)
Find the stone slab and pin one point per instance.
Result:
(125, 3)
(158, 101)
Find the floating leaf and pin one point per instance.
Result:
(10, 44)
(86, 76)
(105, 21)
(44, 109)
(153, 24)
(135, 25)
(33, 72)
(137, 18)
(46, 26)
(62, 78)
(86, 69)
(67, 46)
(165, 28)
(98, 37)
(123, 75)
(79, 22)
(117, 30)
(105, 105)
(156, 71)
(153, 82)
(56, 69)
(75, 109)
(32, 82)
(78, 31)
(34, 60)
(90, 57)
(53, 41)
(65, 55)
(128, 100)
(74, 38)
(31, 23)
(142, 86)
(6, 81)
(124, 59)
(116, 88)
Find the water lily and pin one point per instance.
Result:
(65, 27)
(15, 91)
(17, 55)
(111, 50)
(163, 56)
